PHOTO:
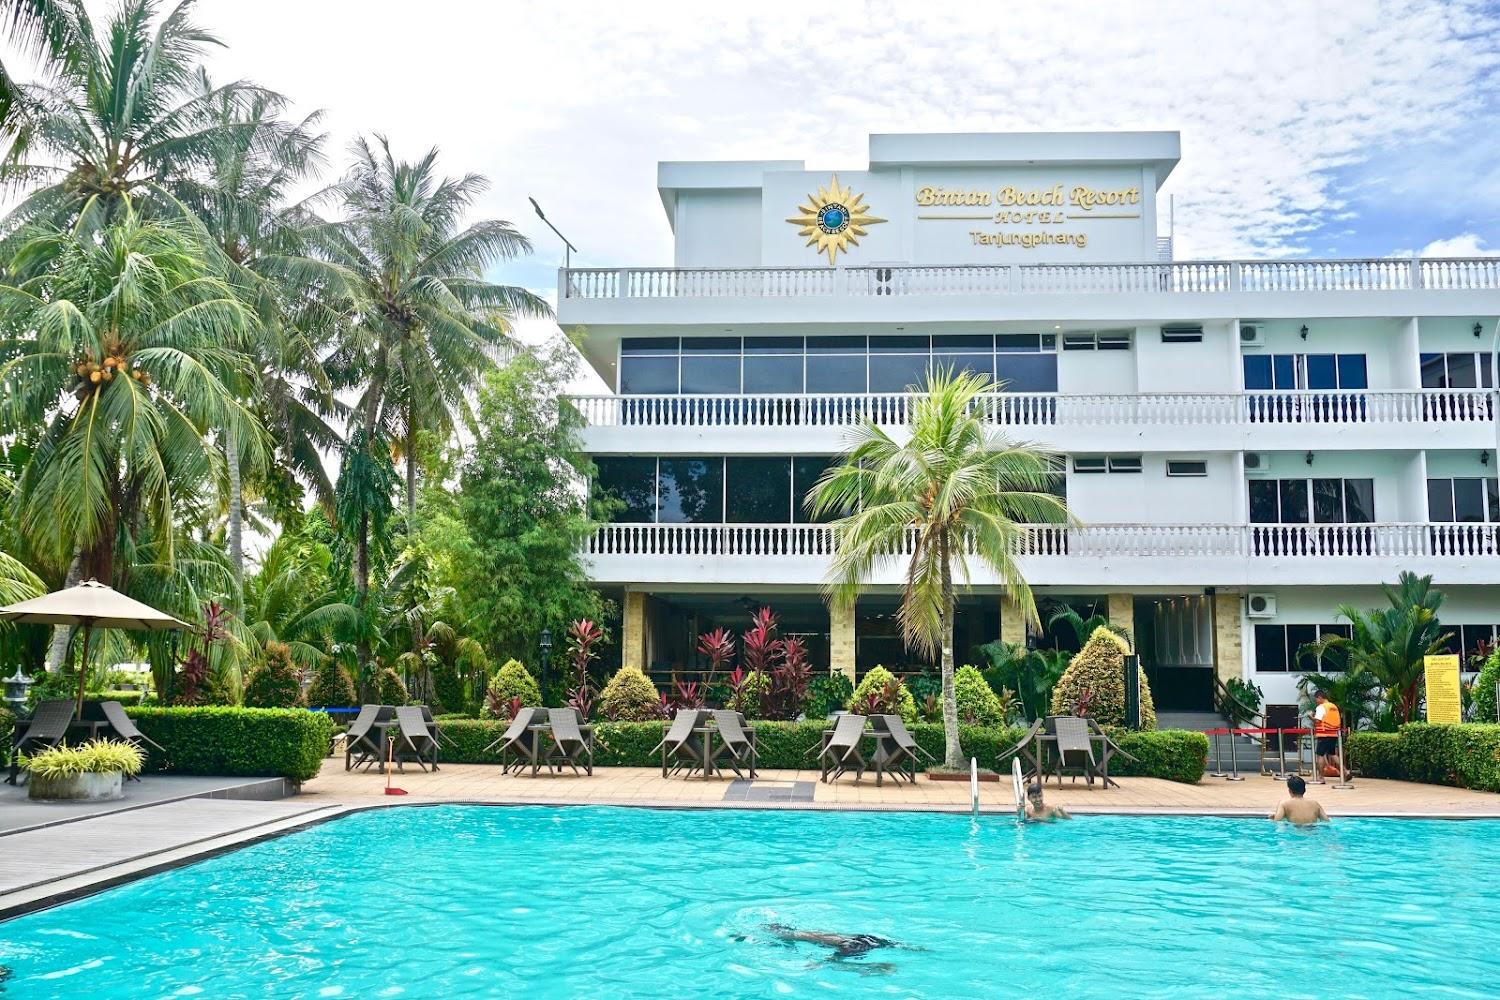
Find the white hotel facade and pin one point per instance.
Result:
(1248, 443)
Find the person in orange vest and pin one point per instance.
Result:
(1326, 726)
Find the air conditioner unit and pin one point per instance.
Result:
(1262, 605)
(1257, 461)
(1252, 335)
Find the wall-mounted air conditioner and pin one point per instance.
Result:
(1257, 462)
(1252, 335)
(1262, 605)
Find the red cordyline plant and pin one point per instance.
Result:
(583, 636)
(761, 647)
(196, 664)
(687, 695)
(790, 679)
(718, 646)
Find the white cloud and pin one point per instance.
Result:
(1462, 245)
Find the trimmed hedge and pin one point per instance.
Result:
(1465, 756)
(275, 742)
(1174, 754)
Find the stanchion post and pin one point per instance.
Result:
(1346, 777)
(1280, 774)
(1234, 760)
(1317, 771)
(1219, 757)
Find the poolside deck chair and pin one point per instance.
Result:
(518, 740)
(681, 747)
(842, 750)
(362, 740)
(898, 752)
(416, 742)
(1075, 749)
(126, 729)
(47, 727)
(1025, 747)
(435, 729)
(736, 741)
(570, 745)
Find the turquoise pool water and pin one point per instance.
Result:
(601, 902)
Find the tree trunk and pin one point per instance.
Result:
(411, 470)
(236, 518)
(954, 756)
(61, 634)
(361, 593)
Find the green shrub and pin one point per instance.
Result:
(1099, 669)
(1465, 755)
(448, 689)
(877, 681)
(924, 684)
(1484, 688)
(91, 757)
(277, 742)
(827, 694)
(331, 686)
(7, 727)
(274, 683)
(978, 705)
(512, 680)
(125, 698)
(630, 697)
(1174, 754)
(390, 689)
(751, 696)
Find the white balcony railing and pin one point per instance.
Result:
(1094, 541)
(1022, 409)
(1175, 277)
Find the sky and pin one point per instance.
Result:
(1351, 128)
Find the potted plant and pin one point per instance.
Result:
(92, 772)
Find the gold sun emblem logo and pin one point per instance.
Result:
(833, 219)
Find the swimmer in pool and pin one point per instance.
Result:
(843, 945)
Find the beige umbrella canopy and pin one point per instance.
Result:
(89, 605)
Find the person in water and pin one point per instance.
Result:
(1038, 811)
(1297, 810)
(843, 945)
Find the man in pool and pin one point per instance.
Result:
(1297, 810)
(843, 945)
(1038, 811)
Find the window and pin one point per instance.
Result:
(1102, 340)
(711, 365)
(630, 482)
(1185, 467)
(690, 490)
(899, 363)
(1083, 465)
(1279, 648)
(1463, 370)
(805, 473)
(965, 352)
(1465, 500)
(1078, 341)
(1476, 642)
(1093, 464)
(757, 490)
(1275, 372)
(1114, 340)
(1124, 463)
(1182, 335)
(837, 364)
(1315, 501)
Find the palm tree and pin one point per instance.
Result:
(118, 344)
(292, 598)
(1082, 627)
(45, 29)
(951, 492)
(1391, 643)
(429, 323)
(120, 119)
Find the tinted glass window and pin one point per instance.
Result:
(1008, 343)
(711, 345)
(966, 343)
(1258, 371)
(1492, 498)
(1298, 636)
(758, 490)
(835, 373)
(1322, 372)
(805, 473)
(1328, 501)
(648, 374)
(1434, 372)
(1022, 373)
(631, 481)
(690, 490)
(1293, 496)
(1353, 372)
(1462, 374)
(1284, 371)
(1468, 500)
(772, 373)
(773, 345)
(709, 373)
(1440, 500)
(835, 345)
(1263, 501)
(648, 345)
(903, 344)
(897, 372)
(1359, 501)
(1270, 647)
(979, 364)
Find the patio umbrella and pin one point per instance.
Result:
(89, 605)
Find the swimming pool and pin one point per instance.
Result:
(480, 901)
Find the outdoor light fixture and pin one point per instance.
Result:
(1308, 458)
(1303, 331)
(568, 248)
(1478, 329)
(1484, 458)
(16, 687)
(546, 644)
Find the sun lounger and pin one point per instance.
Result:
(569, 744)
(519, 739)
(416, 742)
(682, 747)
(362, 739)
(435, 729)
(736, 741)
(126, 729)
(47, 727)
(841, 752)
(898, 751)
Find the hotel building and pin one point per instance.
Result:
(1248, 443)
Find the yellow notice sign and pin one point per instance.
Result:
(1444, 703)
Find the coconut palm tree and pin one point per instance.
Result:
(293, 599)
(951, 493)
(118, 344)
(43, 29)
(429, 323)
(120, 118)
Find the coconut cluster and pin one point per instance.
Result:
(93, 373)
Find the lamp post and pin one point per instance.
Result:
(16, 687)
(568, 248)
(546, 656)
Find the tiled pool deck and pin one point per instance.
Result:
(92, 853)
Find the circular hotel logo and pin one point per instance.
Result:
(833, 219)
